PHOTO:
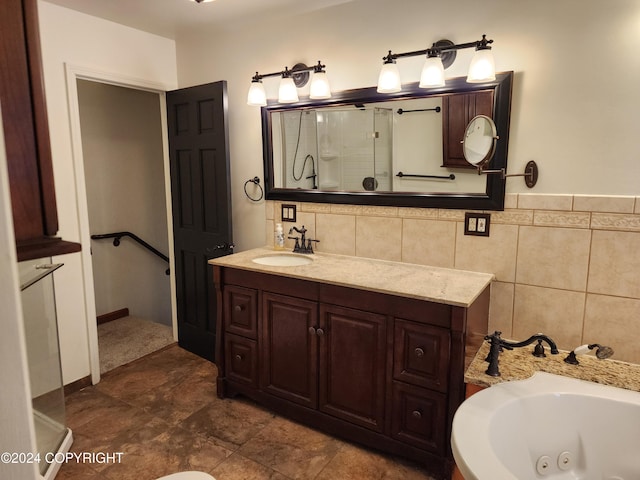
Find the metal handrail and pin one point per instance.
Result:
(116, 242)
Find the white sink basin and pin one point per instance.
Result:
(283, 260)
(548, 427)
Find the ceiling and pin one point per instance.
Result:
(169, 18)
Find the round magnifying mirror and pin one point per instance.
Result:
(479, 143)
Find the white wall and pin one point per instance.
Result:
(16, 416)
(123, 165)
(576, 118)
(71, 37)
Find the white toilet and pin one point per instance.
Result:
(188, 476)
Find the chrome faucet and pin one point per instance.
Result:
(303, 244)
(497, 344)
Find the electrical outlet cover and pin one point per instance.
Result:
(477, 224)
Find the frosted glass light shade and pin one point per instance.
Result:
(257, 95)
(389, 79)
(319, 88)
(432, 73)
(287, 92)
(482, 68)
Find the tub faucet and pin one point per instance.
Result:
(497, 344)
(602, 352)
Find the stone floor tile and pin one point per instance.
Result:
(237, 467)
(355, 463)
(291, 449)
(230, 421)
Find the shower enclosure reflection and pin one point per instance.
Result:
(43, 356)
(394, 146)
(333, 149)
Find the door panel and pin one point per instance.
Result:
(201, 200)
(289, 348)
(352, 365)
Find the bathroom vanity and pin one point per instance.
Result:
(368, 350)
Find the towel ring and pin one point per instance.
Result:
(256, 182)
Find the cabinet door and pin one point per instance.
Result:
(289, 348)
(457, 111)
(421, 354)
(352, 365)
(241, 311)
(241, 359)
(419, 417)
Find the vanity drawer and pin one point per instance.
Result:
(421, 354)
(241, 359)
(241, 311)
(419, 417)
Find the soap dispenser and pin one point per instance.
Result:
(279, 237)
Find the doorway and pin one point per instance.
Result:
(124, 174)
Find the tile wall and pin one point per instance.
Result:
(565, 265)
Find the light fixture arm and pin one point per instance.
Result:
(287, 73)
(438, 49)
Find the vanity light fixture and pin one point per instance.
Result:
(440, 56)
(290, 81)
(287, 92)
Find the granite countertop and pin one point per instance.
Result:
(434, 284)
(519, 364)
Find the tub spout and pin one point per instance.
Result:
(497, 344)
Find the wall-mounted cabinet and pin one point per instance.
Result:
(379, 369)
(457, 111)
(26, 133)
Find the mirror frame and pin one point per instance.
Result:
(491, 199)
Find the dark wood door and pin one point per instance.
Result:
(352, 365)
(201, 201)
(289, 348)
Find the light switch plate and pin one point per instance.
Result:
(477, 224)
(288, 213)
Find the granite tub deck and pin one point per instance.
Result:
(441, 285)
(519, 364)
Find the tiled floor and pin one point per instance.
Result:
(162, 412)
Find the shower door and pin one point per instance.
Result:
(43, 356)
(354, 148)
(383, 149)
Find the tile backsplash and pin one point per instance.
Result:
(565, 265)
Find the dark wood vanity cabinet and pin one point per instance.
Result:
(288, 351)
(381, 370)
(457, 111)
(26, 133)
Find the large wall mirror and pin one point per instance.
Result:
(404, 149)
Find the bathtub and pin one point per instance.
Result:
(548, 427)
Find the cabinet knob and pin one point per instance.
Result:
(417, 414)
(238, 357)
(238, 308)
(312, 330)
(320, 332)
(419, 352)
